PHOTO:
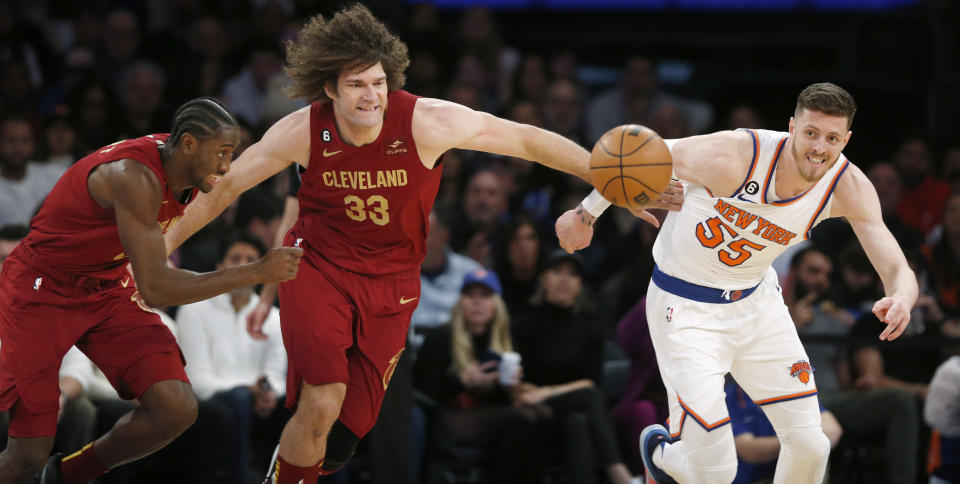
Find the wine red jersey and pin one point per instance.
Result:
(74, 234)
(366, 208)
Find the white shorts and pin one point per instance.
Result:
(698, 343)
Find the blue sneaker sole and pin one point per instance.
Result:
(647, 446)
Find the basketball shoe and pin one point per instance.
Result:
(653, 439)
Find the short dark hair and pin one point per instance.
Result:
(241, 237)
(13, 231)
(257, 204)
(202, 117)
(799, 255)
(353, 39)
(827, 98)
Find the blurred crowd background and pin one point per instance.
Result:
(78, 75)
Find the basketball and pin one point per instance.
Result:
(630, 165)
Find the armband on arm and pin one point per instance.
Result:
(595, 204)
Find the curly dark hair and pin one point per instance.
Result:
(827, 98)
(352, 40)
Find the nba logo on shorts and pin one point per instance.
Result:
(669, 314)
(801, 370)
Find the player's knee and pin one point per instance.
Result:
(809, 446)
(181, 415)
(320, 409)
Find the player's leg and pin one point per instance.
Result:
(384, 318)
(166, 410)
(772, 367)
(317, 322)
(30, 359)
(303, 442)
(141, 359)
(25, 456)
(694, 351)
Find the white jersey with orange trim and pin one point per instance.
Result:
(729, 241)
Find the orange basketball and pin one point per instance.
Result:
(630, 165)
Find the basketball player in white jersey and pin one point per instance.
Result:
(714, 306)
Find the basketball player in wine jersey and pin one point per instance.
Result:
(369, 155)
(67, 284)
(714, 305)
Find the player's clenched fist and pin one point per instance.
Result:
(280, 264)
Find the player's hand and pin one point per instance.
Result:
(671, 198)
(256, 319)
(895, 314)
(280, 264)
(575, 229)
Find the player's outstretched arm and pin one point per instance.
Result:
(285, 142)
(718, 161)
(440, 125)
(856, 199)
(134, 193)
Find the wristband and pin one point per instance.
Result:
(595, 204)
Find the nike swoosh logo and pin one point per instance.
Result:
(330, 153)
(740, 197)
(404, 300)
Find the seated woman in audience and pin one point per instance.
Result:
(517, 261)
(458, 366)
(562, 350)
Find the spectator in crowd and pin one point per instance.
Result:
(562, 350)
(758, 447)
(630, 259)
(565, 66)
(562, 110)
(142, 91)
(530, 80)
(518, 260)
(744, 116)
(10, 236)
(120, 45)
(636, 100)
(924, 196)
(96, 112)
(60, 138)
(951, 167)
(441, 276)
(943, 258)
(644, 402)
(18, 93)
(259, 213)
(458, 367)
(893, 412)
(670, 122)
(886, 179)
(484, 209)
(23, 183)
(859, 285)
(226, 364)
(244, 92)
(807, 293)
(942, 413)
